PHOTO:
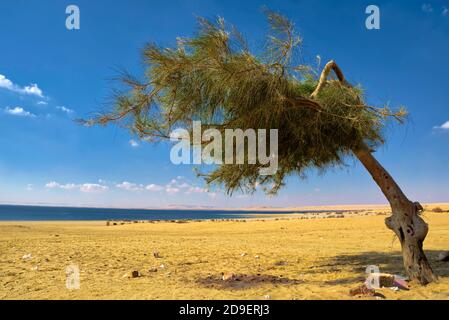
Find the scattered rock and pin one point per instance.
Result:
(27, 256)
(257, 257)
(243, 254)
(135, 274)
(394, 288)
(35, 268)
(156, 255)
(281, 263)
(228, 276)
(267, 297)
(386, 280)
(162, 266)
(362, 290)
(443, 256)
(391, 281)
(152, 270)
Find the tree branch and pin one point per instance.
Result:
(331, 65)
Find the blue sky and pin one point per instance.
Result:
(50, 75)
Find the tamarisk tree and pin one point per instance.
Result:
(322, 119)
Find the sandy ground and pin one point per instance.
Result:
(273, 259)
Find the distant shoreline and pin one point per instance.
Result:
(253, 208)
(44, 213)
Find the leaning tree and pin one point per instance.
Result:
(321, 118)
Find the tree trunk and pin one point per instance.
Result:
(405, 220)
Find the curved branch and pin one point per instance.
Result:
(331, 65)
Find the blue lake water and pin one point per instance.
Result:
(42, 213)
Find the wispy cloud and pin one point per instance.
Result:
(32, 89)
(93, 188)
(65, 109)
(172, 190)
(42, 103)
(125, 185)
(86, 187)
(133, 143)
(445, 12)
(427, 7)
(154, 187)
(18, 111)
(195, 190)
(175, 186)
(444, 126)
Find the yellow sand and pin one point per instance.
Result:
(297, 258)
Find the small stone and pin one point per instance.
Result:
(362, 290)
(156, 255)
(27, 256)
(256, 256)
(394, 288)
(443, 256)
(243, 254)
(135, 274)
(35, 268)
(152, 270)
(228, 276)
(162, 266)
(267, 297)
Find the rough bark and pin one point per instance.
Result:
(405, 220)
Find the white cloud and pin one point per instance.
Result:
(29, 187)
(18, 111)
(42, 103)
(445, 12)
(32, 89)
(154, 187)
(444, 126)
(86, 187)
(125, 185)
(69, 186)
(6, 83)
(133, 143)
(93, 188)
(172, 190)
(175, 186)
(55, 185)
(196, 190)
(427, 7)
(52, 185)
(64, 109)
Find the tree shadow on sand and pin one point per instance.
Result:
(387, 262)
(244, 281)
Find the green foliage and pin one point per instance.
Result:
(214, 78)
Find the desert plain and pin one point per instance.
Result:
(283, 256)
